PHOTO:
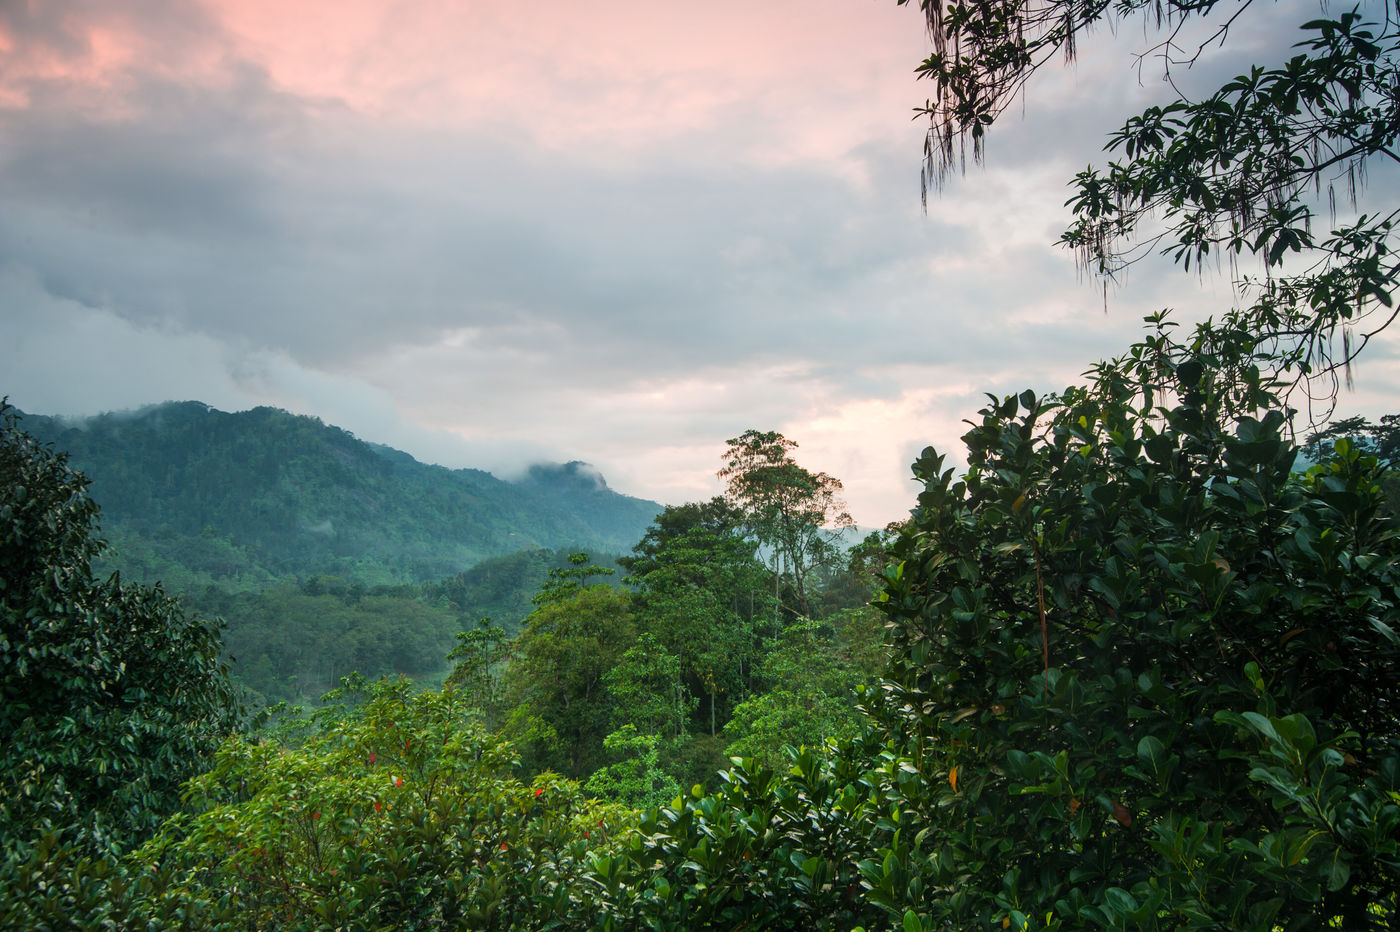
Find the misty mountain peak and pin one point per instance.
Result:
(574, 475)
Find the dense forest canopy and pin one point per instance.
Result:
(193, 496)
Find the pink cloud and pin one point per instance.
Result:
(774, 82)
(626, 71)
(89, 55)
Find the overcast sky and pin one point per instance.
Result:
(619, 231)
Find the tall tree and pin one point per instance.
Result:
(794, 512)
(699, 593)
(555, 679)
(478, 659)
(1254, 169)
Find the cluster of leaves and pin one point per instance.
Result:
(1146, 670)
(786, 848)
(110, 696)
(1235, 173)
(398, 813)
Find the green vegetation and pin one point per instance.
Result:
(110, 696)
(1140, 668)
(1142, 677)
(1232, 175)
(400, 813)
(293, 643)
(1151, 665)
(194, 497)
(795, 513)
(324, 554)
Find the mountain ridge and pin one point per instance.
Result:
(262, 494)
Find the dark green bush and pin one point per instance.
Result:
(1146, 671)
(110, 698)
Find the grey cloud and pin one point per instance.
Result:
(279, 245)
(250, 246)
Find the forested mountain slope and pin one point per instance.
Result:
(200, 496)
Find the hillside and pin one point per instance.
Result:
(197, 496)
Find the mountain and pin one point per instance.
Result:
(196, 496)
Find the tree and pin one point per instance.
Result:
(648, 690)
(564, 582)
(555, 683)
(636, 778)
(1232, 174)
(717, 517)
(854, 581)
(790, 510)
(110, 696)
(1380, 440)
(477, 661)
(813, 679)
(1145, 669)
(1347, 436)
(699, 593)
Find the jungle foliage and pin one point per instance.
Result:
(1142, 656)
(110, 695)
(1142, 675)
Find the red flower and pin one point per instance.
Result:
(398, 781)
(315, 815)
(539, 792)
(503, 846)
(585, 833)
(378, 805)
(372, 758)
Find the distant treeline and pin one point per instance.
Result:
(294, 641)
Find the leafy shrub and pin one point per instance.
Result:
(401, 814)
(109, 695)
(767, 850)
(1146, 671)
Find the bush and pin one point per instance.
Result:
(1147, 671)
(110, 697)
(400, 814)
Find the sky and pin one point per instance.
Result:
(622, 232)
